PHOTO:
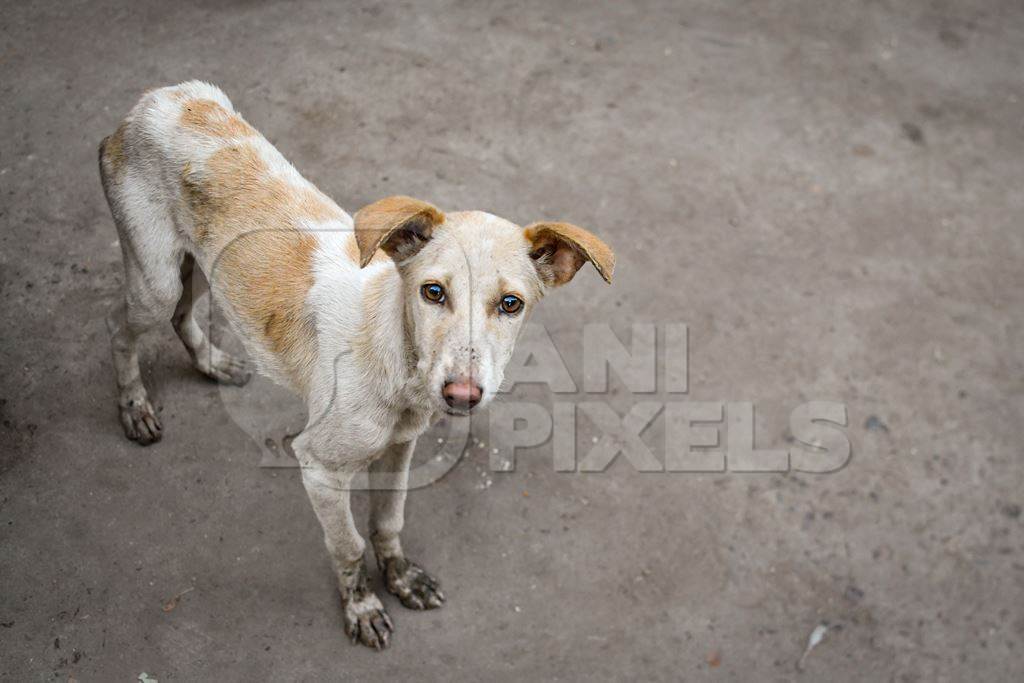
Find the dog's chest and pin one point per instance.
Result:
(410, 424)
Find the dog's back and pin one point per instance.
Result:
(187, 176)
(168, 128)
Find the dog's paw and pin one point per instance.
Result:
(225, 368)
(411, 584)
(366, 621)
(140, 421)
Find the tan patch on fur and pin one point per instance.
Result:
(210, 118)
(234, 192)
(249, 220)
(568, 246)
(378, 221)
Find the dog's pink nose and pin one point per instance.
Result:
(463, 393)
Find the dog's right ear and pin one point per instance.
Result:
(398, 225)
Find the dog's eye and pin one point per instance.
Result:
(433, 292)
(511, 304)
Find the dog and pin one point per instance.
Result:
(381, 323)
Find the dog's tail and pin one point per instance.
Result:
(103, 153)
(104, 170)
(111, 155)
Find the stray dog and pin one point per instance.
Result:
(381, 323)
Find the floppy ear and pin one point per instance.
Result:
(558, 250)
(398, 225)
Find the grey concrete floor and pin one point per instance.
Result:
(828, 193)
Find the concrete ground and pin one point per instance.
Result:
(828, 194)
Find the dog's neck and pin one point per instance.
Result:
(384, 345)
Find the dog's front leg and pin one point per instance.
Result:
(389, 480)
(366, 621)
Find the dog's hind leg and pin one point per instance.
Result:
(148, 301)
(207, 358)
(152, 253)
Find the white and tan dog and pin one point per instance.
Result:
(381, 324)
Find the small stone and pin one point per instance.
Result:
(875, 424)
(853, 594)
(913, 132)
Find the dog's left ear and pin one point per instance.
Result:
(398, 225)
(559, 250)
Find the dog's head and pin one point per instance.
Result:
(470, 280)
